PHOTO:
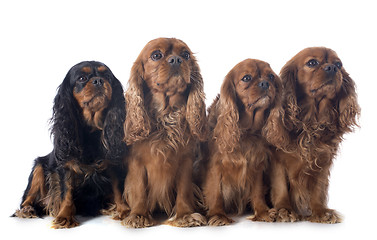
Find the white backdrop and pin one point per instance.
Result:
(41, 40)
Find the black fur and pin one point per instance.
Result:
(98, 153)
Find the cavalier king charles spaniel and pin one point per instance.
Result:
(320, 105)
(245, 126)
(78, 176)
(165, 120)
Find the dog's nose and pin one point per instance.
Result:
(98, 82)
(175, 60)
(264, 85)
(330, 69)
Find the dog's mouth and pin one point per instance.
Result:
(261, 101)
(98, 101)
(94, 97)
(329, 82)
(173, 84)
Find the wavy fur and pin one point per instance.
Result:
(320, 105)
(76, 177)
(166, 118)
(245, 120)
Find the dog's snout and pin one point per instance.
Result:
(98, 82)
(264, 85)
(330, 69)
(175, 60)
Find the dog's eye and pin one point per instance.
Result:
(271, 76)
(312, 63)
(156, 55)
(338, 65)
(186, 55)
(246, 78)
(82, 79)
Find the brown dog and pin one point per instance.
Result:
(244, 120)
(166, 118)
(320, 105)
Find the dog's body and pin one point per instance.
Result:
(80, 174)
(166, 119)
(320, 106)
(245, 120)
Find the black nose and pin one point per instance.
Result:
(330, 69)
(175, 60)
(98, 82)
(264, 85)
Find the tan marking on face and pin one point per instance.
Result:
(86, 69)
(102, 68)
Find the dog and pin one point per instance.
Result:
(320, 104)
(165, 121)
(78, 176)
(245, 126)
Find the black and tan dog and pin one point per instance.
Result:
(81, 174)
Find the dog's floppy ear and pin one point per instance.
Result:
(274, 130)
(227, 132)
(288, 75)
(65, 122)
(349, 109)
(137, 125)
(113, 133)
(196, 109)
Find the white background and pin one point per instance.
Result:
(41, 40)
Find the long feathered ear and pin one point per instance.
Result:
(113, 133)
(288, 75)
(196, 108)
(274, 130)
(65, 123)
(137, 125)
(349, 109)
(226, 132)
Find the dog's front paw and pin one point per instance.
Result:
(138, 221)
(219, 220)
(188, 220)
(64, 222)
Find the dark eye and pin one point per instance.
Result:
(271, 76)
(312, 63)
(246, 78)
(82, 79)
(186, 55)
(338, 65)
(156, 55)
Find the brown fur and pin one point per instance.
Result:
(86, 69)
(37, 193)
(102, 68)
(121, 209)
(66, 212)
(319, 107)
(93, 101)
(37, 186)
(245, 120)
(166, 117)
